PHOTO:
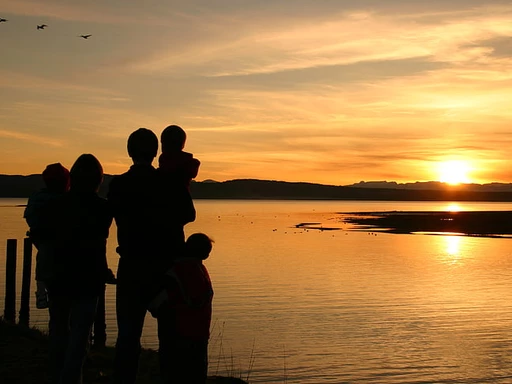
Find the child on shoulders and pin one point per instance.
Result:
(178, 164)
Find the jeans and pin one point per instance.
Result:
(71, 319)
(137, 283)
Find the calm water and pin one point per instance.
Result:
(340, 306)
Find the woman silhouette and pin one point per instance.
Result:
(78, 224)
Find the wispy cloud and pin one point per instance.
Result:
(33, 138)
(122, 12)
(340, 39)
(19, 80)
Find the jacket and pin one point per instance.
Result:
(150, 212)
(78, 227)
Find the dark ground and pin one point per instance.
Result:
(23, 354)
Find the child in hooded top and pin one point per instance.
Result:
(56, 180)
(180, 165)
(186, 302)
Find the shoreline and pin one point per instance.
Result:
(23, 353)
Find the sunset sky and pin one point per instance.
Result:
(326, 91)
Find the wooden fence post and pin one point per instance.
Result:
(25, 285)
(10, 281)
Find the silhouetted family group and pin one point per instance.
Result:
(158, 270)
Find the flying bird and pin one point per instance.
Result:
(42, 26)
(3, 20)
(85, 36)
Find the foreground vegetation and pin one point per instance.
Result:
(23, 356)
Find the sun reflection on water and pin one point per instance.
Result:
(453, 245)
(452, 248)
(453, 207)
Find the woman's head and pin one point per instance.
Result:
(86, 174)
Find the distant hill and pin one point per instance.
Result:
(24, 186)
(265, 189)
(435, 186)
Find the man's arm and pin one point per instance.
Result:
(177, 201)
(187, 210)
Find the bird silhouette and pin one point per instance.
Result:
(85, 36)
(42, 26)
(3, 20)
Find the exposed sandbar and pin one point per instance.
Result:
(474, 223)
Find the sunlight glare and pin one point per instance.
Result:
(452, 245)
(454, 172)
(453, 207)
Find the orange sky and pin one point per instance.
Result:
(322, 91)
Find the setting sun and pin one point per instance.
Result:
(454, 172)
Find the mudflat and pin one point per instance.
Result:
(470, 223)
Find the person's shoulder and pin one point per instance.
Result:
(59, 204)
(53, 197)
(118, 181)
(119, 178)
(41, 196)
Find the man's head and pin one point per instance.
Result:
(56, 178)
(198, 246)
(142, 146)
(173, 138)
(86, 174)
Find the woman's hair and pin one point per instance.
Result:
(86, 174)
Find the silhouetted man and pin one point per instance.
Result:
(150, 214)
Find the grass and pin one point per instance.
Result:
(23, 353)
(227, 361)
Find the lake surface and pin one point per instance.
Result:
(309, 306)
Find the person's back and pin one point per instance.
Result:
(82, 226)
(177, 164)
(132, 198)
(191, 297)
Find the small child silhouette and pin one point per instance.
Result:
(178, 164)
(186, 302)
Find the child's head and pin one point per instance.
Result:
(198, 246)
(173, 138)
(56, 178)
